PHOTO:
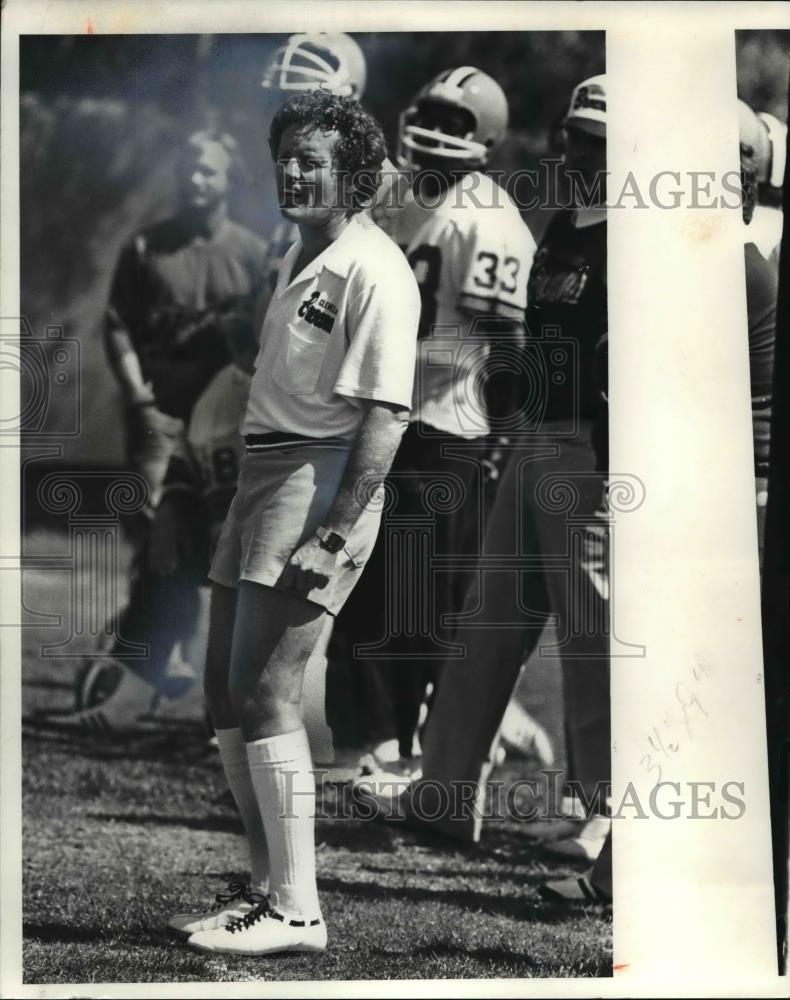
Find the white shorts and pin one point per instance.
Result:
(283, 495)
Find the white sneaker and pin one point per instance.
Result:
(231, 905)
(386, 752)
(586, 845)
(388, 783)
(119, 712)
(263, 931)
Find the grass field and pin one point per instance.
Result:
(119, 834)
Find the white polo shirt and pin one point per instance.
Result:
(343, 329)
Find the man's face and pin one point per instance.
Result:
(442, 118)
(310, 191)
(204, 175)
(584, 152)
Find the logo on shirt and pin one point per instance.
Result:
(318, 311)
(552, 281)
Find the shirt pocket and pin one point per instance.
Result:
(300, 358)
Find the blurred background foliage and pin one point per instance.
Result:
(763, 67)
(100, 117)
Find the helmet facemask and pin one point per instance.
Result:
(307, 63)
(441, 131)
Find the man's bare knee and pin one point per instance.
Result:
(265, 693)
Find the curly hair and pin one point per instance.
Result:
(360, 149)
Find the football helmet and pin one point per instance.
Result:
(587, 109)
(777, 140)
(753, 134)
(461, 115)
(318, 60)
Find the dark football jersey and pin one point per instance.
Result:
(566, 298)
(170, 292)
(762, 287)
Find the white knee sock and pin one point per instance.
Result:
(282, 776)
(233, 754)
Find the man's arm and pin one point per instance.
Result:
(370, 460)
(125, 295)
(126, 366)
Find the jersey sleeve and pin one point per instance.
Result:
(497, 256)
(382, 323)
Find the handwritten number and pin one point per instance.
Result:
(648, 761)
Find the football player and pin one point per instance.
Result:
(566, 290)
(766, 136)
(471, 253)
(762, 288)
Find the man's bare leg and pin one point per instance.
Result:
(274, 634)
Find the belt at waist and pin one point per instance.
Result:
(284, 439)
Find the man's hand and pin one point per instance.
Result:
(309, 567)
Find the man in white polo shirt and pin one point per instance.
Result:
(328, 404)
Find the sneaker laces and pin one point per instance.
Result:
(235, 891)
(261, 909)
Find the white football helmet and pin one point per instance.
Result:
(461, 115)
(777, 140)
(318, 60)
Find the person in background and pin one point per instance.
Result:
(566, 294)
(183, 289)
(766, 136)
(762, 287)
(471, 252)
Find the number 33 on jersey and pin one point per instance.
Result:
(471, 255)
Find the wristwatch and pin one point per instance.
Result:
(330, 540)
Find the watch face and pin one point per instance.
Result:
(331, 541)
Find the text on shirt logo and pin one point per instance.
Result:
(318, 311)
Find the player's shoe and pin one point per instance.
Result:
(573, 890)
(120, 711)
(350, 763)
(233, 904)
(386, 784)
(568, 823)
(263, 931)
(586, 845)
